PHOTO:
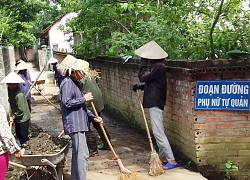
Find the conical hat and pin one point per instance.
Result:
(52, 60)
(12, 78)
(71, 63)
(21, 65)
(82, 65)
(151, 50)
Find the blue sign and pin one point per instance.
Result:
(222, 95)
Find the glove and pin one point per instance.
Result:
(136, 86)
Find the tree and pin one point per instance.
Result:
(186, 29)
(23, 20)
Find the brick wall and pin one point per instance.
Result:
(215, 136)
(206, 137)
(29, 54)
(179, 119)
(116, 82)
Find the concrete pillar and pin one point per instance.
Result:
(8, 58)
(7, 64)
(43, 58)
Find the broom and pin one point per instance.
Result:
(125, 173)
(156, 167)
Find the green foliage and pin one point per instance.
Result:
(186, 29)
(23, 20)
(230, 167)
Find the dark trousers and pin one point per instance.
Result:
(91, 142)
(22, 131)
(97, 126)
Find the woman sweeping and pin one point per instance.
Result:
(153, 74)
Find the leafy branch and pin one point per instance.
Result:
(212, 29)
(3, 27)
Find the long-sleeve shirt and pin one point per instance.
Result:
(154, 77)
(25, 86)
(75, 115)
(89, 84)
(19, 106)
(7, 140)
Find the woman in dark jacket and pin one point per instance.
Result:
(153, 74)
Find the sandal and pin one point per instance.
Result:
(169, 166)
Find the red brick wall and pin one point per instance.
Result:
(179, 119)
(217, 136)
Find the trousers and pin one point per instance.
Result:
(80, 156)
(4, 162)
(156, 119)
(22, 131)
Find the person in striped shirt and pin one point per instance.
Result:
(75, 115)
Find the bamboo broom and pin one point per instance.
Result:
(125, 173)
(156, 167)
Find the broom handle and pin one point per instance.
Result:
(116, 158)
(104, 132)
(47, 98)
(33, 84)
(145, 121)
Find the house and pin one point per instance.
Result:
(55, 38)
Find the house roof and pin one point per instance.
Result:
(46, 30)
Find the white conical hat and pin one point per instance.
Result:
(82, 65)
(151, 50)
(21, 65)
(71, 63)
(52, 60)
(12, 77)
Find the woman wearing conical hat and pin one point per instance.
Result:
(58, 75)
(20, 112)
(22, 70)
(153, 74)
(75, 115)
